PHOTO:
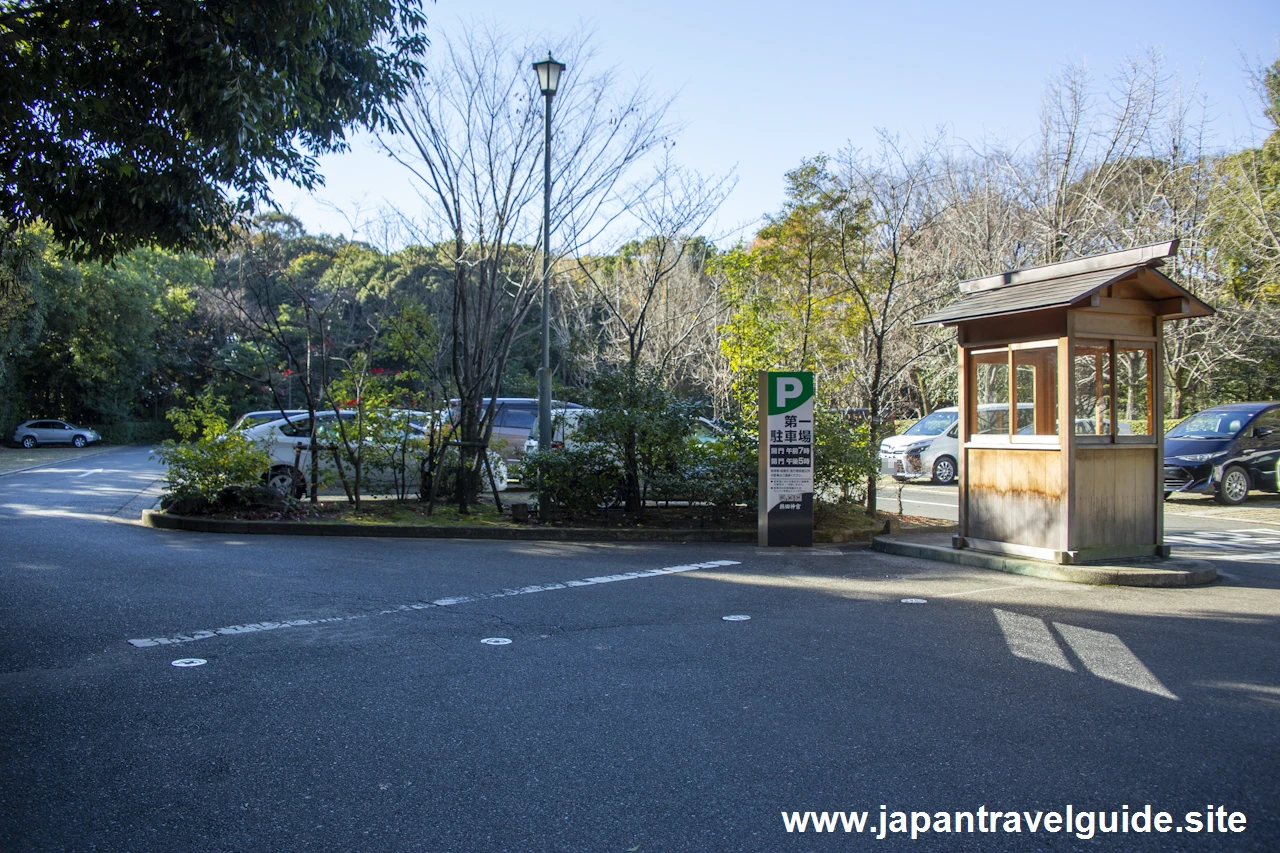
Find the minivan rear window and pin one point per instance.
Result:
(520, 418)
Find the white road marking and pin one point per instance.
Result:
(1246, 546)
(1264, 557)
(894, 498)
(1106, 656)
(254, 627)
(87, 473)
(1030, 639)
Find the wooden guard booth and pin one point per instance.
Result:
(1061, 406)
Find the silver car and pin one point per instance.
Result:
(35, 432)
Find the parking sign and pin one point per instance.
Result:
(785, 502)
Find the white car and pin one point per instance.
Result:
(258, 418)
(929, 448)
(288, 442)
(565, 422)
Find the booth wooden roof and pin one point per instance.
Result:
(1075, 283)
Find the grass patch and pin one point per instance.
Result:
(415, 514)
(832, 523)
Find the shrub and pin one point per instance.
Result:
(136, 432)
(578, 479)
(722, 472)
(208, 460)
(445, 464)
(844, 457)
(642, 424)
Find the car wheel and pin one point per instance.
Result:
(1234, 487)
(29, 441)
(79, 441)
(287, 481)
(944, 471)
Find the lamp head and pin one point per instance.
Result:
(549, 74)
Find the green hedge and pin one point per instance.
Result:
(136, 432)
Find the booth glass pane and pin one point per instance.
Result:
(1133, 389)
(1037, 390)
(1092, 372)
(991, 393)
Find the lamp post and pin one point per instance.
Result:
(549, 72)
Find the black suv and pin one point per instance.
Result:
(1224, 451)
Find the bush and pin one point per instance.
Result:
(642, 424)
(580, 479)
(445, 464)
(136, 432)
(722, 472)
(208, 460)
(844, 457)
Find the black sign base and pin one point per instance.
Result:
(791, 524)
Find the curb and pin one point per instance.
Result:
(163, 521)
(1179, 573)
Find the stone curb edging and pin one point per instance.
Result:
(1188, 573)
(163, 521)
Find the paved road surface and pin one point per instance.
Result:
(349, 703)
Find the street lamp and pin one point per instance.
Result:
(549, 72)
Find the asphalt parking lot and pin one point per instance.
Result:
(348, 700)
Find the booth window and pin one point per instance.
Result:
(1036, 389)
(1134, 392)
(991, 397)
(1022, 380)
(1114, 383)
(1092, 373)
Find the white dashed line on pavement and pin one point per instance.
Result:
(254, 627)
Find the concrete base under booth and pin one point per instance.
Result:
(1065, 558)
(1152, 570)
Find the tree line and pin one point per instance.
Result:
(864, 243)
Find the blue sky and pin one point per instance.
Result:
(761, 85)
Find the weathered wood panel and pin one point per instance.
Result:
(1114, 502)
(1107, 325)
(1028, 326)
(1016, 495)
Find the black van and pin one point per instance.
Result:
(1224, 451)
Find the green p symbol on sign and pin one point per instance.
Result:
(789, 391)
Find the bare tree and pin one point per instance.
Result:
(892, 194)
(1084, 148)
(472, 141)
(306, 310)
(651, 301)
